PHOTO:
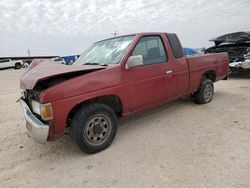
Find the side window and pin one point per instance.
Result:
(152, 50)
(4, 61)
(176, 47)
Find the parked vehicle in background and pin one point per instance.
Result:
(8, 63)
(59, 60)
(237, 45)
(70, 59)
(239, 65)
(113, 78)
(26, 63)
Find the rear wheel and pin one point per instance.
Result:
(94, 127)
(17, 66)
(205, 92)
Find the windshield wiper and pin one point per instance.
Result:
(93, 63)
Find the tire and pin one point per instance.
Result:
(94, 127)
(18, 66)
(205, 92)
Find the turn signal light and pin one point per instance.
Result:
(46, 111)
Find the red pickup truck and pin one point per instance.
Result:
(113, 78)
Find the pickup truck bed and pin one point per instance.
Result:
(207, 63)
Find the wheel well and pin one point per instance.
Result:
(210, 75)
(110, 100)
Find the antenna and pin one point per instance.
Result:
(115, 33)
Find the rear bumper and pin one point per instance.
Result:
(37, 129)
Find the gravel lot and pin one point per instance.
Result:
(177, 145)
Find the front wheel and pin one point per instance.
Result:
(205, 92)
(94, 127)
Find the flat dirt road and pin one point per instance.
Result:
(179, 145)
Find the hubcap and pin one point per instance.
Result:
(208, 92)
(97, 130)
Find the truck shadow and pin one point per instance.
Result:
(154, 113)
(242, 74)
(168, 110)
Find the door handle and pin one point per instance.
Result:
(169, 72)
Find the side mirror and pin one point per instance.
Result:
(134, 61)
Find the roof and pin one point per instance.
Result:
(139, 33)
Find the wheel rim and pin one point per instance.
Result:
(208, 92)
(97, 129)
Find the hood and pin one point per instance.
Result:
(42, 70)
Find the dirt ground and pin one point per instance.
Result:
(180, 145)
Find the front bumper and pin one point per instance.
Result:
(37, 129)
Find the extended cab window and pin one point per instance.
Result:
(176, 47)
(152, 50)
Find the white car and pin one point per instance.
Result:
(245, 64)
(59, 60)
(8, 63)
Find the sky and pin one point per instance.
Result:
(65, 27)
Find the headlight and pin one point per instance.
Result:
(36, 107)
(44, 110)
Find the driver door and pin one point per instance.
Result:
(147, 85)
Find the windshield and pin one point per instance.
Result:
(105, 52)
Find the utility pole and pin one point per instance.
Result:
(115, 33)
(28, 52)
